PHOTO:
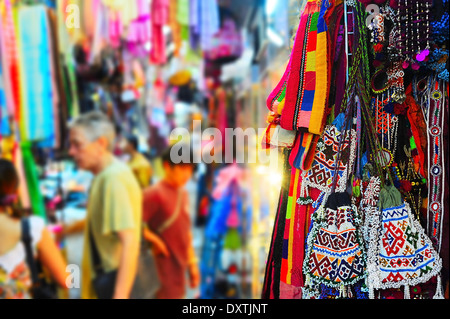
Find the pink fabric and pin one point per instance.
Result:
(140, 30)
(289, 291)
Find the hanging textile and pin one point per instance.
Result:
(183, 18)
(4, 114)
(271, 287)
(10, 59)
(159, 17)
(194, 24)
(32, 181)
(209, 22)
(37, 93)
(336, 254)
(301, 94)
(138, 33)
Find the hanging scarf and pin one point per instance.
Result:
(159, 17)
(4, 114)
(37, 118)
(290, 282)
(307, 86)
(271, 286)
(301, 94)
(10, 59)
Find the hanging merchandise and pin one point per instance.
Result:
(159, 17)
(336, 254)
(272, 280)
(400, 254)
(4, 114)
(10, 59)
(361, 210)
(226, 43)
(209, 22)
(299, 101)
(138, 31)
(32, 181)
(38, 94)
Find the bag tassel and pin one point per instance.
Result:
(371, 292)
(439, 290)
(342, 292)
(407, 292)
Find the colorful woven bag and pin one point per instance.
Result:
(335, 255)
(399, 253)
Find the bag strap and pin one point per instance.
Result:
(95, 254)
(174, 216)
(26, 240)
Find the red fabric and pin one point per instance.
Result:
(294, 79)
(418, 129)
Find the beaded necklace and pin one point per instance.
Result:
(414, 26)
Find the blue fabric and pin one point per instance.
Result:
(4, 123)
(37, 77)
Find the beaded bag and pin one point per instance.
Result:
(399, 252)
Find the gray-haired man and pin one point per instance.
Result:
(114, 211)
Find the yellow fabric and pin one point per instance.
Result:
(128, 9)
(281, 106)
(142, 169)
(310, 61)
(291, 228)
(115, 204)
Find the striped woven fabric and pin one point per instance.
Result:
(300, 97)
(307, 85)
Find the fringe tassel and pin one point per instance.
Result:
(439, 290)
(407, 292)
(342, 292)
(371, 292)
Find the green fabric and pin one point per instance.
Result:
(390, 197)
(32, 178)
(232, 240)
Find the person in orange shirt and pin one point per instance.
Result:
(168, 228)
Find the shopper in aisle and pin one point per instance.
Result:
(168, 228)
(114, 211)
(15, 272)
(138, 163)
